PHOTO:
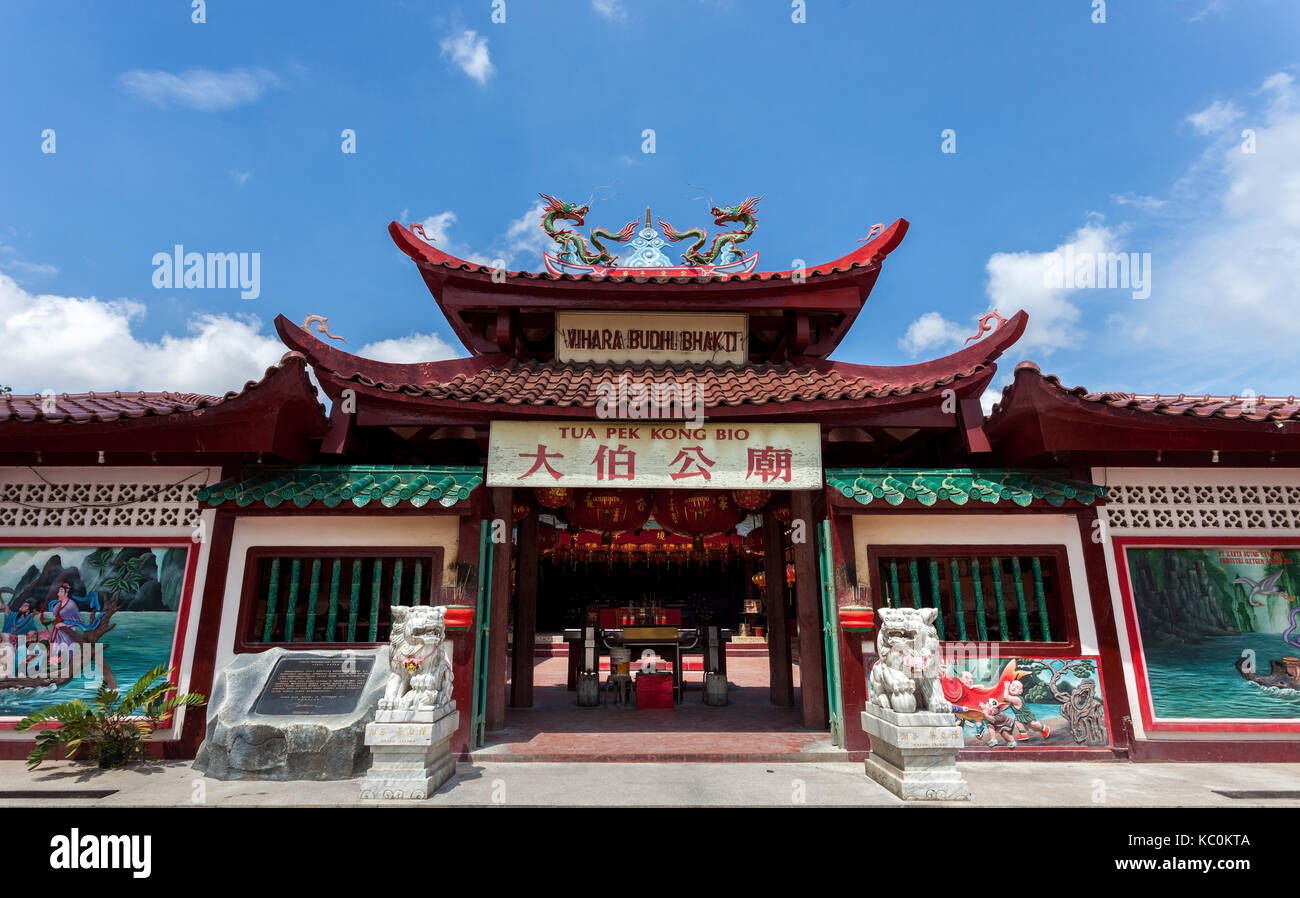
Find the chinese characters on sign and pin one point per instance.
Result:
(716, 456)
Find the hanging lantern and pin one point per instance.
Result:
(519, 510)
(754, 543)
(751, 500)
(553, 496)
(609, 511)
(696, 512)
(782, 512)
(789, 574)
(759, 580)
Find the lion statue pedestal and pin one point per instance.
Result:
(914, 735)
(410, 739)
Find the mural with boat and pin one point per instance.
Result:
(79, 616)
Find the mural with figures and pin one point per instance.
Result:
(79, 616)
(1220, 630)
(1003, 703)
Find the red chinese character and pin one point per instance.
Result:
(542, 457)
(703, 463)
(621, 458)
(769, 464)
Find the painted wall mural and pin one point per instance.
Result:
(79, 616)
(1003, 703)
(1220, 630)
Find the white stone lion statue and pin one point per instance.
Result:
(421, 675)
(905, 679)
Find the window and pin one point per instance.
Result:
(297, 597)
(982, 595)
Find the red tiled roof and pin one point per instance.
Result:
(1233, 408)
(866, 255)
(86, 408)
(503, 381)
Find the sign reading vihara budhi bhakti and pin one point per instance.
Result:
(314, 686)
(674, 454)
(653, 338)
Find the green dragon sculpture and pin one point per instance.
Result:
(728, 240)
(571, 242)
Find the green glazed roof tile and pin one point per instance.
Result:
(958, 486)
(331, 485)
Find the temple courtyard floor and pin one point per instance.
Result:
(524, 784)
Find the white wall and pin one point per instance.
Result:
(315, 531)
(986, 530)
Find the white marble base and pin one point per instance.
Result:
(409, 715)
(411, 759)
(915, 755)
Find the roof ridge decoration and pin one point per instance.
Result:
(648, 256)
(959, 485)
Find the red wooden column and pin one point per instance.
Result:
(853, 672)
(462, 644)
(807, 589)
(521, 683)
(1103, 617)
(494, 716)
(781, 677)
(208, 625)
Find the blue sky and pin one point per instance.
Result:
(225, 136)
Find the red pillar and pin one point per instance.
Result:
(1103, 617)
(853, 672)
(812, 666)
(208, 626)
(521, 683)
(494, 717)
(462, 651)
(781, 677)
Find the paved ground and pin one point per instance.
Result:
(993, 783)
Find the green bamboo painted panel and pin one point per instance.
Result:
(997, 594)
(981, 627)
(268, 627)
(310, 635)
(1020, 598)
(1041, 597)
(378, 571)
(355, 602)
(417, 576)
(395, 596)
(916, 582)
(333, 619)
(958, 609)
(934, 595)
(291, 612)
(895, 600)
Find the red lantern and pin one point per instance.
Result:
(696, 512)
(751, 500)
(609, 511)
(754, 543)
(553, 496)
(759, 580)
(857, 618)
(520, 510)
(782, 512)
(789, 574)
(458, 618)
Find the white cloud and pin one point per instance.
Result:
(241, 177)
(610, 9)
(1145, 203)
(29, 269)
(201, 89)
(519, 248)
(1019, 281)
(930, 332)
(1215, 117)
(470, 52)
(76, 344)
(409, 349)
(988, 399)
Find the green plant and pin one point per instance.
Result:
(113, 727)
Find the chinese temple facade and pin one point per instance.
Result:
(653, 455)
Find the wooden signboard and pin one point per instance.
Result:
(654, 338)
(676, 455)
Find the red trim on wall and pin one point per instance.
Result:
(1138, 654)
(175, 657)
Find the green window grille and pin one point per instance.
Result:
(981, 596)
(341, 598)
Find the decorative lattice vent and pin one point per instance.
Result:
(1187, 507)
(71, 505)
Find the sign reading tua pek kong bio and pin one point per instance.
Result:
(667, 454)
(652, 338)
